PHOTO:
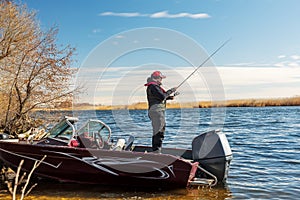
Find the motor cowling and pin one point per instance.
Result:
(211, 149)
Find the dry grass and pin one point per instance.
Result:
(292, 101)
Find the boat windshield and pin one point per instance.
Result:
(95, 129)
(65, 128)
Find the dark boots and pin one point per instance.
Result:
(157, 140)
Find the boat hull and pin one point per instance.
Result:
(99, 166)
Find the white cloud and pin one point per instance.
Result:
(259, 82)
(242, 64)
(121, 85)
(294, 64)
(165, 14)
(281, 56)
(133, 14)
(295, 57)
(288, 61)
(162, 14)
(280, 64)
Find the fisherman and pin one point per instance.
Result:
(157, 97)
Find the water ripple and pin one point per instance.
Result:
(264, 141)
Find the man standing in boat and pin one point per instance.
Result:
(157, 97)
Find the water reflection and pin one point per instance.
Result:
(54, 191)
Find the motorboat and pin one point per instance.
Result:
(89, 156)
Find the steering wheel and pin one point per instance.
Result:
(99, 140)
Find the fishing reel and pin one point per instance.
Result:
(176, 94)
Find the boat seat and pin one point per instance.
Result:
(86, 142)
(119, 145)
(129, 143)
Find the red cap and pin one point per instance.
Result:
(157, 74)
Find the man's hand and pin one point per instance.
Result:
(170, 98)
(172, 90)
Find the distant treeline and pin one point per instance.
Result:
(292, 101)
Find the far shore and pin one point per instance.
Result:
(291, 101)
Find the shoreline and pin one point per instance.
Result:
(289, 101)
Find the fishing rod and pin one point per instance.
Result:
(173, 90)
(209, 57)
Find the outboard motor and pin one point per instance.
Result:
(211, 149)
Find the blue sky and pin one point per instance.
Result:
(265, 36)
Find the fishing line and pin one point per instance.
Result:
(207, 59)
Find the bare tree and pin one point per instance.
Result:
(34, 70)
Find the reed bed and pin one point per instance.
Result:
(291, 101)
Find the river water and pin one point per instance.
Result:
(265, 142)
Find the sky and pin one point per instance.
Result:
(120, 42)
